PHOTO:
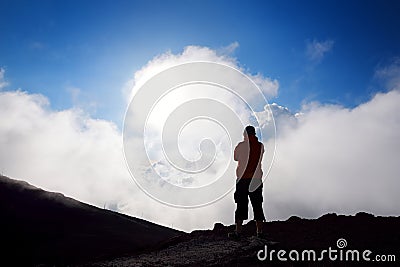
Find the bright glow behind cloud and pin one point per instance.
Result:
(184, 96)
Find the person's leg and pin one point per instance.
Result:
(259, 225)
(241, 212)
(256, 200)
(239, 224)
(240, 215)
(242, 204)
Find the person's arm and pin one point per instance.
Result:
(261, 153)
(236, 153)
(262, 149)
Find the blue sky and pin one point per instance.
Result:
(52, 47)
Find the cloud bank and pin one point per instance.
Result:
(333, 159)
(329, 158)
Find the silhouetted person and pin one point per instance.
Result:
(248, 154)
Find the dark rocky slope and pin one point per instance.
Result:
(39, 227)
(363, 231)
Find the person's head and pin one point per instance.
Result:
(249, 131)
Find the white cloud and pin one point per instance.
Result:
(64, 151)
(69, 152)
(81, 100)
(3, 82)
(333, 159)
(154, 131)
(316, 50)
(176, 98)
(75, 93)
(229, 49)
(197, 53)
(390, 74)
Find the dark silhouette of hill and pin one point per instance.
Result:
(39, 227)
(48, 229)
